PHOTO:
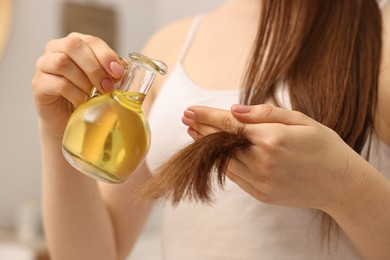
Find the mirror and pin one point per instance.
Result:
(5, 23)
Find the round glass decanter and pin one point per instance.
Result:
(108, 136)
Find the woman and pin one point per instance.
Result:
(208, 56)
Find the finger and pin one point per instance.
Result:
(246, 186)
(269, 114)
(110, 61)
(194, 134)
(196, 129)
(208, 120)
(91, 56)
(61, 65)
(240, 168)
(48, 88)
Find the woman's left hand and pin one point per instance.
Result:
(294, 161)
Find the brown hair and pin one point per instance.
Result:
(328, 54)
(187, 174)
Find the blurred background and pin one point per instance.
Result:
(25, 27)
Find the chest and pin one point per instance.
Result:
(179, 92)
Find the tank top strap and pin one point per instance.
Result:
(190, 36)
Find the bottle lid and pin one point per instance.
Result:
(148, 63)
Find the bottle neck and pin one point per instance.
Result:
(136, 80)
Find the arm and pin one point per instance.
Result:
(82, 220)
(297, 162)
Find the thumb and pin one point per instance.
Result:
(265, 113)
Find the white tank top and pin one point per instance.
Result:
(236, 226)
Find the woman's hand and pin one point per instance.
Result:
(294, 161)
(66, 73)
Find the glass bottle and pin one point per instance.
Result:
(108, 136)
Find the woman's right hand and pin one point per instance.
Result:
(65, 75)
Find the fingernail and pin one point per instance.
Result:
(107, 85)
(238, 108)
(117, 69)
(186, 121)
(189, 114)
(194, 134)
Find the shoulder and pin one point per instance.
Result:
(385, 60)
(166, 45)
(383, 120)
(167, 42)
(386, 32)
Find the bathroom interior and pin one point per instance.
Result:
(25, 27)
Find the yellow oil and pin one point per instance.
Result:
(108, 137)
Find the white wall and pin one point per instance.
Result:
(34, 23)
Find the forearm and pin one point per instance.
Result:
(365, 218)
(76, 222)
